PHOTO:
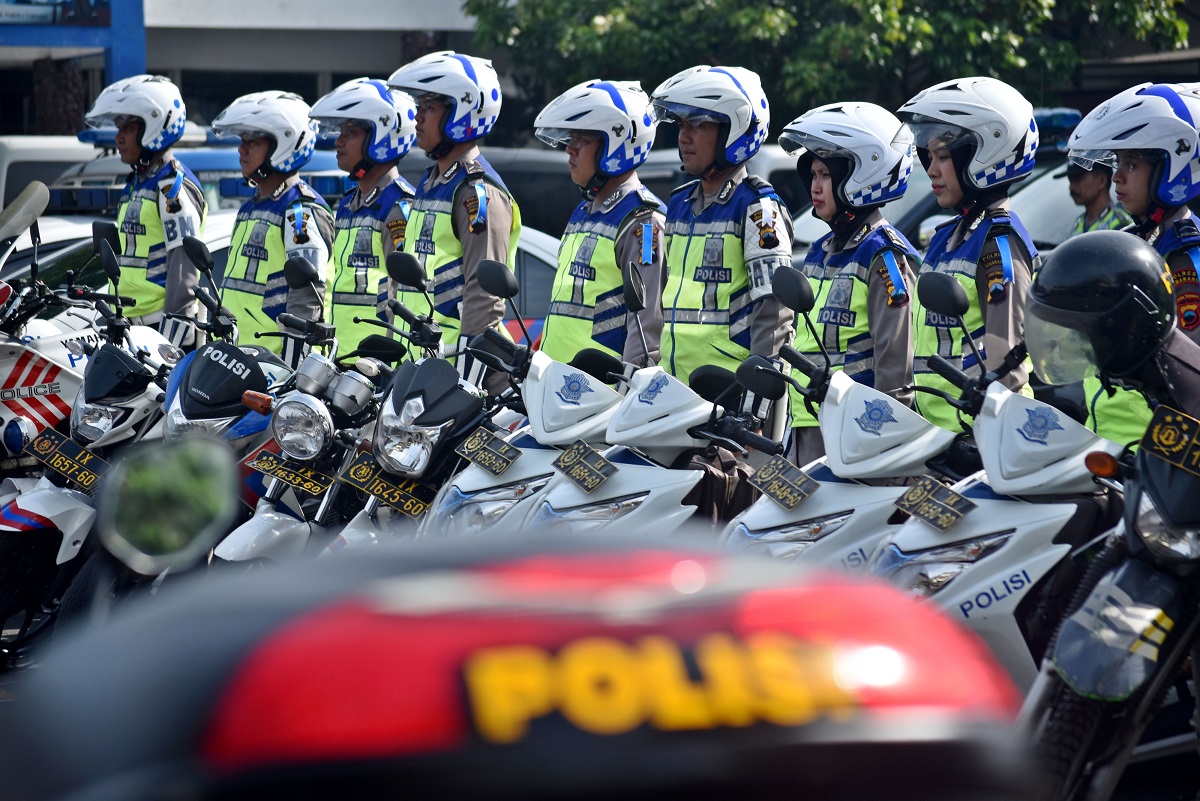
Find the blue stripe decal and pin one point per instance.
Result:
(899, 289)
(647, 243)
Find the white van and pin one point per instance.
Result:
(36, 158)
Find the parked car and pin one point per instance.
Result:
(35, 158)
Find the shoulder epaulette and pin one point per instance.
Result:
(474, 169)
(685, 187)
(649, 198)
(761, 185)
(1186, 228)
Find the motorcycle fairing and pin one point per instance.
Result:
(1110, 647)
(565, 403)
(50, 508)
(114, 373)
(216, 378)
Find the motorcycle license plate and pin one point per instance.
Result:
(783, 482)
(69, 458)
(410, 497)
(934, 503)
(488, 451)
(294, 474)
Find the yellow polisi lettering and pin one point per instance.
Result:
(606, 686)
(508, 688)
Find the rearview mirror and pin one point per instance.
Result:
(942, 294)
(197, 253)
(24, 210)
(634, 287)
(404, 269)
(105, 232)
(299, 272)
(108, 260)
(165, 505)
(758, 375)
(496, 279)
(793, 289)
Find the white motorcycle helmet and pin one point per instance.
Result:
(389, 117)
(877, 145)
(281, 116)
(989, 116)
(619, 112)
(1161, 118)
(151, 98)
(730, 96)
(468, 85)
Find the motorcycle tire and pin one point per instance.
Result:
(1065, 742)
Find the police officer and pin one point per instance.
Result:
(284, 218)
(858, 157)
(726, 231)
(463, 212)
(1103, 304)
(608, 128)
(975, 137)
(375, 127)
(162, 203)
(1092, 189)
(1146, 135)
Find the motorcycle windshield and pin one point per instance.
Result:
(114, 374)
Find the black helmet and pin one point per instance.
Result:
(1102, 302)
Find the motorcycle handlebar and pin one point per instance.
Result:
(948, 371)
(292, 321)
(798, 360)
(404, 313)
(749, 439)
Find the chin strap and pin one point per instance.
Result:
(594, 185)
(443, 148)
(1146, 226)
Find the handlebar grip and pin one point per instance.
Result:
(404, 313)
(499, 340)
(749, 439)
(104, 310)
(292, 321)
(798, 360)
(948, 371)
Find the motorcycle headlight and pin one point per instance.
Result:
(401, 447)
(926, 573)
(1171, 543)
(91, 421)
(459, 513)
(785, 542)
(302, 426)
(176, 425)
(590, 516)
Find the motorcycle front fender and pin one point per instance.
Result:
(47, 507)
(270, 534)
(1115, 642)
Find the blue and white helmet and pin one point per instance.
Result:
(282, 116)
(1161, 118)
(151, 98)
(468, 85)
(984, 113)
(730, 96)
(618, 111)
(389, 116)
(878, 146)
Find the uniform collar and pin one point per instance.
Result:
(628, 186)
(359, 200)
(436, 178)
(962, 232)
(283, 187)
(724, 194)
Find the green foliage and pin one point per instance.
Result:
(810, 52)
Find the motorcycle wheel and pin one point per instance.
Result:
(1065, 742)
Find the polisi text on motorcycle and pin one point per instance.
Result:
(239, 369)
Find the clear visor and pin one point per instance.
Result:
(330, 126)
(797, 143)
(240, 131)
(555, 137)
(931, 134)
(1060, 355)
(692, 115)
(1090, 158)
(108, 120)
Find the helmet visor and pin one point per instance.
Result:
(241, 131)
(1060, 355)
(797, 143)
(692, 115)
(933, 134)
(1090, 158)
(333, 126)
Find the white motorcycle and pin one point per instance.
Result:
(1002, 550)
